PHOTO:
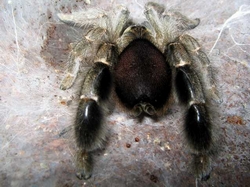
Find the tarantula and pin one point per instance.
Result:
(143, 63)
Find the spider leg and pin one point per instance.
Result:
(121, 22)
(90, 132)
(167, 25)
(194, 48)
(83, 52)
(106, 30)
(153, 13)
(189, 90)
(89, 127)
(77, 56)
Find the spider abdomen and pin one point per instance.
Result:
(142, 75)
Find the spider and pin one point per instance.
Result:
(144, 65)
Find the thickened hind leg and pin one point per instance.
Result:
(90, 132)
(198, 128)
(197, 122)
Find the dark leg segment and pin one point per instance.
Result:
(97, 82)
(198, 127)
(89, 130)
(188, 86)
(88, 124)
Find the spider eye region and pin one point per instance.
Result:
(142, 75)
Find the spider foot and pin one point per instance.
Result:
(82, 175)
(67, 82)
(202, 166)
(84, 165)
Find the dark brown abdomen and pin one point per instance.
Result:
(142, 75)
